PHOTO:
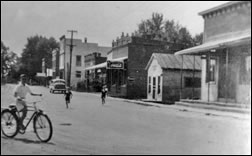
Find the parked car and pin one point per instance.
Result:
(58, 85)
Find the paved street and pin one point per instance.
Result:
(126, 128)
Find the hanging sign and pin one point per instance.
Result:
(115, 65)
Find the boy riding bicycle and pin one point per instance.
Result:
(20, 93)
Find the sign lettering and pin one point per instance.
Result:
(114, 65)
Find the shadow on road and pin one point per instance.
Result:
(27, 141)
(65, 124)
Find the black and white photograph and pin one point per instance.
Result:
(125, 77)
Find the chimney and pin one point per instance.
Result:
(85, 40)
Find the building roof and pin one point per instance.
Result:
(231, 41)
(171, 61)
(225, 5)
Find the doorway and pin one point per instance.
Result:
(227, 76)
(154, 88)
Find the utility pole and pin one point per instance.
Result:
(71, 50)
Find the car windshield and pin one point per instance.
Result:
(58, 81)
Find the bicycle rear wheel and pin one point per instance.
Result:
(9, 123)
(43, 127)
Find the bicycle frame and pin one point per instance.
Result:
(36, 111)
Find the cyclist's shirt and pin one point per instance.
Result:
(22, 90)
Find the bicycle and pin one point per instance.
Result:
(10, 120)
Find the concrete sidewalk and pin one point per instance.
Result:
(210, 112)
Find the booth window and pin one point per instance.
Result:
(159, 87)
(149, 84)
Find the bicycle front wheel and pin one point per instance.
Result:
(43, 127)
(9, 123)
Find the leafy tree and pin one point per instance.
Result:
(35, 50)
(171, 31)
(168, 30)
(8, 60)
(185, 38)
(152, 27)
(198, 39)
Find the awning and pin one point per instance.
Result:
(216, 44)
(119, 59)
(102, 65)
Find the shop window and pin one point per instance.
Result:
(192, 82)
(245, 70)
(78, 60)
(78, 74)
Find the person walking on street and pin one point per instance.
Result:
(68, 94)
(103, 94)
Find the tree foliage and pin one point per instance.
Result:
(8, 60)
(37, 48)
(167, 30)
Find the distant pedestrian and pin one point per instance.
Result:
(104, 93)
(68, 95)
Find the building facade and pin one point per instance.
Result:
(226, 53)
(95, 71)
(94, 59)
(126, 74)
(80, 50)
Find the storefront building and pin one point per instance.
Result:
(225, 53)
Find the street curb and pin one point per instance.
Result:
(213, 112)
(217, 108)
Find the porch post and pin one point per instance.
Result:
(208, 79)
(226, 83)
(193, 76)
(181, 77)
(111, 78)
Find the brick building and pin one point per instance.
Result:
(80, 50)
(128, 58)
(226, 53)
(94, 59)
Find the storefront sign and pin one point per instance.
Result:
(114, 65)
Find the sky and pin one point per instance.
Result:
(100, 21)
